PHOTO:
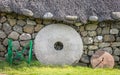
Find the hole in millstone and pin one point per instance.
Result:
(58, 45)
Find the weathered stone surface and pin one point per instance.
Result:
(38, 27)
(114, 31)
(98, 39)
(116, 44)
(48, 15)
(2, 19)
(82, 28)
(12, 22)
(71, 18)
(31, 22)
(21, 17)
(5, 42)
(47, 22)
(34, 35)
(92, 47)
(117, 51)
(116, 15)
(27, 12)
(108, 49)
(84, 33)
(45, 45)
(106, 30)
(88, 40)
(18, 29)
(2, 34)
(99, 31)
(13, 35)
(90, 53)
(24, 43)
(21, 22)
(2, 54)
(28, 29)
(16, 45)
(85, 59)
(7, 28)
(92, 33)
(91, 27)
(81, 64)
(118, 39)
(0, 25)
(116, 25)
(2, 48)
(39, 21)
(78, 24)
(109, 38)
(116, 58)
(25, 36)
(93, 18)
(104, 44)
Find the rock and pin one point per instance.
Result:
(116, 25)
(2, 19)
(18, 29)
(12, 22)
(109, 38)
(2, 54)
(38, 20)
(99, 31)
(101, 45)
(47, 22)
(21, 17)
(31, 22)
(16, 45)
(114, 31)
(25, 36)
(82, 28)
(28, 29)
(85, 59)
(116, 15)
(108, 49)
(2, 34)
(7, 28)
(116, 58)
(85, 47)
(92, 47)
(13, 35)
(115, 44)
(5, 42)
(117, 51)
(84, 33)
(48, 15)
(0, 25)
(2, 48)
(92, 33)
(21, 22)
(78, 24)
(34, 35)
(103, 24)
(90, 53)
(93, 18)
(38, 27)
(98, 39)
(91, 27)
(81, 64)
(24, 43)
(106, 30)
(27, 12)
(88, 40)
(118, 39)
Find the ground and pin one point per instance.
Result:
(35, 68)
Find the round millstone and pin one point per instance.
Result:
(54, 45)
(102, 59)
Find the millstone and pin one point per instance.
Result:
(58, 44)
(102, 59)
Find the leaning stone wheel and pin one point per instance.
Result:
(58, 44)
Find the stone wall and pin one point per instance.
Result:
(96, 36)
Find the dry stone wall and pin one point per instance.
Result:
(96, 36)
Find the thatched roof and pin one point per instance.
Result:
(60, 8)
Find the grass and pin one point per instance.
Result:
(35, 68)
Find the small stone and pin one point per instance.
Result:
(25, 36)
(118, 39)
(92, 47)
(115, 44)
(34, 35)
(47, 22)
(39, 21)
(92, 33)
(91, 27)
(108, 49)
(21, 22)
(12, 22)
(18, 29)
(98, 39)
(31, 22)
(27, 12)
(2, 34)
(85, 59)
(7, 28)
(2, 19)
(13, 35)
(24, 43)
(88, 40)
(114, 31)
(116, 58)
(69, 17)
(38, 27)
(109, 38)
(48, 15)
(117, 51)
(84, 33)
(93, 18)
(116, 15)
(0, 25)
(2, 48)
(28, 29)
(90, 53)
(85, 47)
(16, 45)
(21, 17)
(99, 31)
(5, 42)
(82, 28)
(78, 24)
(101, 45)
(106, 30)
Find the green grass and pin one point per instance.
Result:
(35, 68)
